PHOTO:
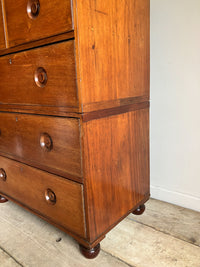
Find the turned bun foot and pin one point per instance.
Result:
(3, 199)
(90, 253)
(140, 210)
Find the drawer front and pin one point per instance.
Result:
(2, 38)
(57, 199)
(29, 20)
(49, 143)
(43, 76)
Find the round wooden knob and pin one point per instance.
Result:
(2, 175)
(50, 196)
(40, 77)
(46, 142)
(33, 8)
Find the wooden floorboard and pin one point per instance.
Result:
(164, 236)
(32, 242)
(7, 261)
(171, 219)
(142, 246)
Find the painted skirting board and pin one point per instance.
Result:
(177, 198)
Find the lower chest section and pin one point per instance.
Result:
(55, 199)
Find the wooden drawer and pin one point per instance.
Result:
(43, 76)
(49, 143)
(2, 38)
(29, 20)
(59, 200)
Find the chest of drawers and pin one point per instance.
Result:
(74, 112)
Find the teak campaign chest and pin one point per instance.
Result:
(74, 112)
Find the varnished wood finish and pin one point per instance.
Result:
(115, 103)
(47, 110)
(46, 142)
(18, 84)
(90, 253)
(54, 18)
(40, 77)
(112, 49)
(21, 138)
(140, 210)
(33, 8)
(113, 111)
(3, 199)
(49, 40)
(73, 112)
(28, 185)
(2, 37)
(3, 175)
(79, 239)
(117, 177)
(74, 105)
(50, 197)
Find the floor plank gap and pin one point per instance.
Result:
(108, 253)
(9, 255)
(157, 238)
(164, 232)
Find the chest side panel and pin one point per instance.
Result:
(112, 47)
(116, 167)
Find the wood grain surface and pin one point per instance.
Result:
(37, 43)
(54, 18)
(91, 97)
(20, 139)
(2, 36)
(113, 111)
(42, 110)
(18, 86)
(116, 167)
(112, 44)
(28, 185)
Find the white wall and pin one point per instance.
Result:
(175, 102)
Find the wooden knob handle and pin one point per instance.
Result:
(50, 197)
(40, 77)
(46, 142)
(33, 8)
(2, 175)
